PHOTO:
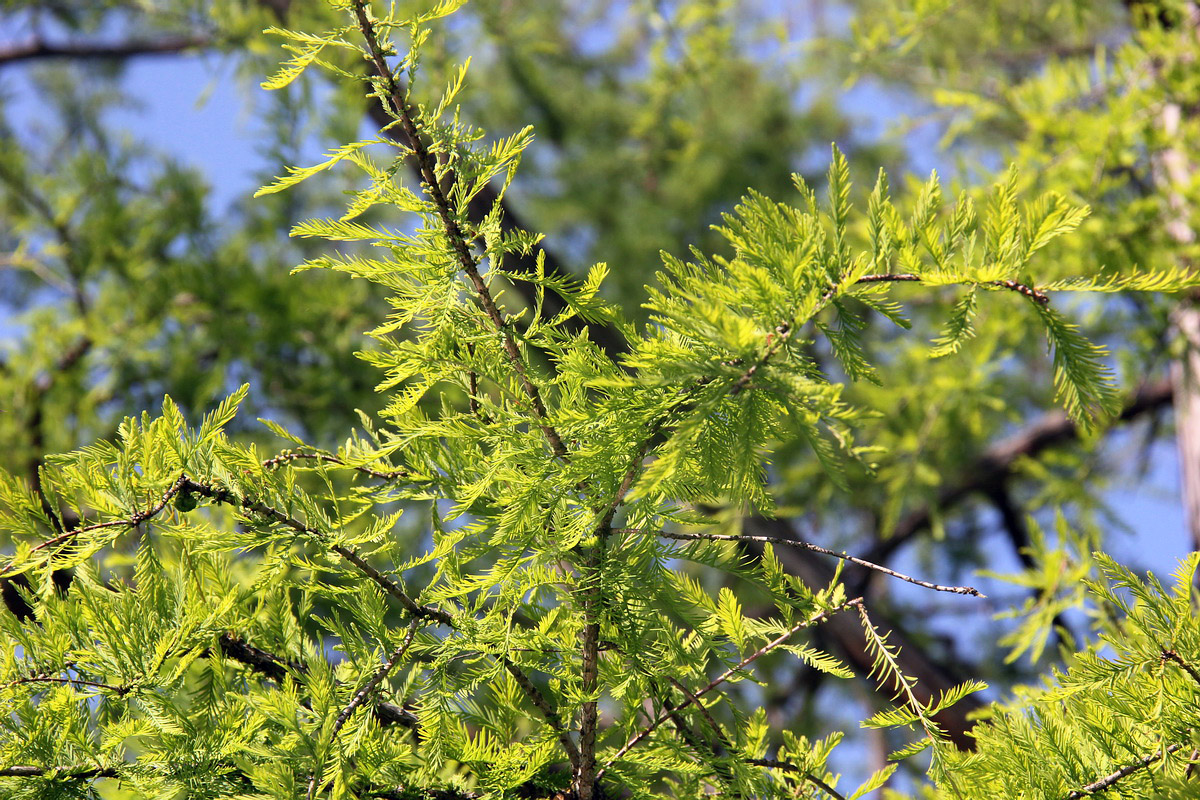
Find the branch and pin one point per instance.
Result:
(772, 763)
(186, 485)
(784, 330)
(996, 463)
(726, 675)
(288, 456)
(454, 233)
(118, 690)
(800, 543)
(38, 49)
(608, 338)
(548, 711)
(72, 772)
(361, 696)
(1171, 655)
(1109, 780)
(1037, 296)
(932, 676)
(272, 666)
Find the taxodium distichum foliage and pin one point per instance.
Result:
(251, 624)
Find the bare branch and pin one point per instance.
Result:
(934, 675)
(800, 543)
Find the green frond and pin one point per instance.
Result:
(1083, 382)
(959, 329)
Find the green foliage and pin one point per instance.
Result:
(547, 635)
(1121, 718)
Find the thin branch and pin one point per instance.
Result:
(548, 711)
(71, 772)
(715, 537)
(276, 668)
(726, 675)
(775, 342)
(609, 338)
(118, 690)
(137, 518)
(693, 739)
(454, 233)
(259, 660)
(1171, 655)
(288, 456)
(186, 485)
(376, 679)
(384, 582)
(699, 705)
(784, 330)
(1012, 519)
(936, 675)
(887, 665)
(1036, 295)
(773, 763)
(361, 696)
(1112, 778)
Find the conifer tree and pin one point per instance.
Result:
(251, 622)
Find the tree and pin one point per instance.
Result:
(577, 448)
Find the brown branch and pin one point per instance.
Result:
(1173, 656)
(72, 773)
(1034, 294)
(118, 690)
(548, 711)
(38, 49)
(362, 694)
(186, 485)
(1012, 519)
(1111, 779)
(772, 763)
(726, 675)
(800, 543)
(384, 582)
(586, 776)
(276, 668)
(390, 587)
(481, 204)
(1054, 429)
(847, 636)
(137, 518)
(784, 330)
(694, 741)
